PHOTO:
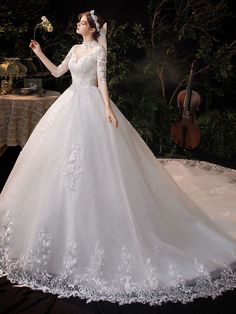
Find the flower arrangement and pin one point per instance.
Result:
(45, 24)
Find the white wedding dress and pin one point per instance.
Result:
(89, 211)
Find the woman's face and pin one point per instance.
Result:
(83, 26)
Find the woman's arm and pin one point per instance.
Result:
(56, 71)
(102, 84)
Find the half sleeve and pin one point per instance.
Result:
(101, 65)
(63, 67)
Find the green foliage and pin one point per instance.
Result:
(139, 104)
(218, 134)
(17, 19)
(148, 66)
(179, 32)
(119, 62)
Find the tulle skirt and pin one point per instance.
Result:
(89, 211)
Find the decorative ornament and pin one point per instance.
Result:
(95, 18)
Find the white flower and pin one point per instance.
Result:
(50, 28)
(45, 24)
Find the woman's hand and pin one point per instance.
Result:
(35, 46)
(111, 117)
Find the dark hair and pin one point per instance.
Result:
(91, 22)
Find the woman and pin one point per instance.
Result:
(89, 211)
(87, 28)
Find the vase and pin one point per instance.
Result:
(22, 69)
(3, 70)
(31, 67)
(12, 69)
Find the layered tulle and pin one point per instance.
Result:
(89, 211)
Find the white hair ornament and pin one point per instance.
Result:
(102, 40)
(95, 18)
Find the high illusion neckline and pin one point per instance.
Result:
(90, 44)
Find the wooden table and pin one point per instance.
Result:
(19, 115)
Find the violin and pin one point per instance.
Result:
(185, 131)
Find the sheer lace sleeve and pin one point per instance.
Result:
(101, 65)
(63, 67)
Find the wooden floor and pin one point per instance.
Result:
(14, 300)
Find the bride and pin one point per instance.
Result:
(89, 211)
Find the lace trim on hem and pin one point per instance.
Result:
(31, 271)
(201, 164)
(179, 293)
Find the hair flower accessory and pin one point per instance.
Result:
(95, 18)
(45, 24)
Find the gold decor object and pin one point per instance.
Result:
(11, 68)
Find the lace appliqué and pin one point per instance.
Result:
(63, 67)
(71, 259)
(5, 238)
(203, 165)
(32, 271)
(73, 167)
(94, 271)
(125, 269)
(152, 275)
(35, 262)
(101, 64)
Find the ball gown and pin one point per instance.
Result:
(89, 211)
